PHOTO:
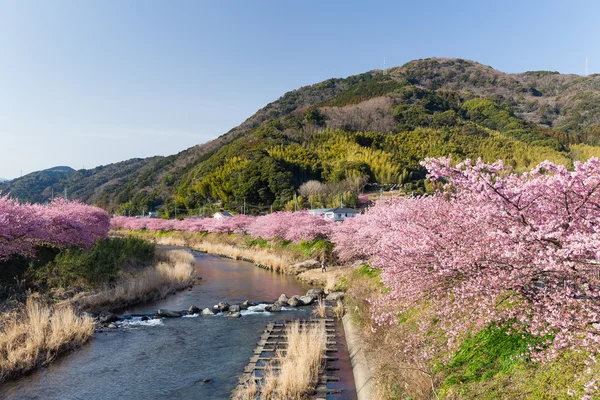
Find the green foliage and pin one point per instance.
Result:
(314, 116)
(426, 108)
(313, 247)
(37, 186)
(100, 264)
(258, 242)
(494, 364)
(368, 272)
(542, 73)
(367, 87)
(15, 273)
(495, 117)
(495, 350)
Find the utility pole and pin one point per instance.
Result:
(52, 194)
(341, 200)
(66, 198)
(381, 193)
(244, 206)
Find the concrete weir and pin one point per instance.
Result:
(273, 339)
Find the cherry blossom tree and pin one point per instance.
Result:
(61, 223)
(492, 246)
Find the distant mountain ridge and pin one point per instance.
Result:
(37, 186)
(373, 124)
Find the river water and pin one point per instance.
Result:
(179, 358)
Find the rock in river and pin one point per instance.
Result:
(306, 300)
(283, 299)
(223, 306)
(208, 312)
(246, 304)
(106, 317)
(234, 309)
(335, 296)
(315, 293)
(294, 301)
(273, 308)
(193, 310)
(168, 313)
(235, 315)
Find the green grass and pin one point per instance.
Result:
(495, 364)
(494, 350)
(307, 248)
(368, 272)
(562, 378)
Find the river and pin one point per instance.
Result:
(179, 358)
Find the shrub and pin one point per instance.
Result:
(100, 264)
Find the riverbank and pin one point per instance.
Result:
(34, 336)
(34, 333)
(172, 271)
(280, 256)
(193, 356)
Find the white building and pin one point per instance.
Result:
(222, 214)
(335, 214)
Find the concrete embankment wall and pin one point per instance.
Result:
(363, 378)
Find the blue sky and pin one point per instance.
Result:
(86, 83)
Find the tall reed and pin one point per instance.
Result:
(174, 271)
(299, 365)
(38, 334)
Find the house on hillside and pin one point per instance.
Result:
(335, 214)
(222, 214)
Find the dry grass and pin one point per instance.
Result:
(174, 271)
(38, 334)
(329, 279)
(249, 391)
(331, 283)
(399, 371)
(320, 310)
(232, 246)
(277, 261)
(339, 311)
(299, 365)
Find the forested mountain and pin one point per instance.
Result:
(369, 128)
(37, 186)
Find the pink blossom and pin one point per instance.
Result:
(61, 224)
